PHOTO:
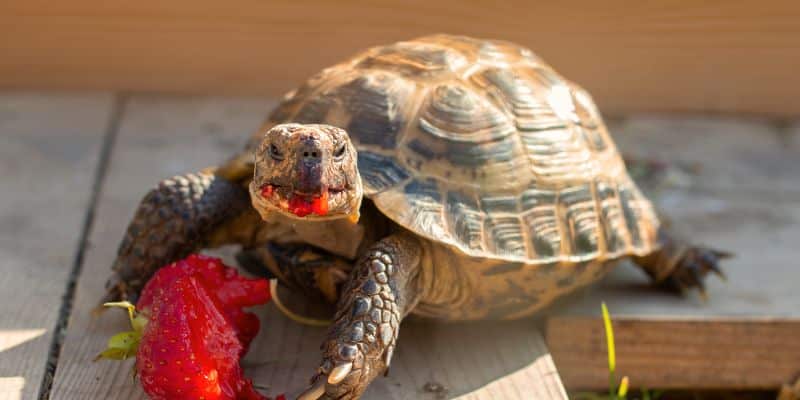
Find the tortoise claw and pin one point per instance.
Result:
(698, 281)
(696, 277)
(720, 254)
(693, 267)
(314, 391)
(340, 372)
(718, 272)
(711, 258)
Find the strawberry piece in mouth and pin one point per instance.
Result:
(320, 204)
(304, 205)
(267, 190)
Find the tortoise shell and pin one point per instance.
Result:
(481, 146)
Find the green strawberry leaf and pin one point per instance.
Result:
(121, 346)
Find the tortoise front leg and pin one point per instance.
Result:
(382, 289)
(176, 218)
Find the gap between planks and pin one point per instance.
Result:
(109, 136)
(51, 147)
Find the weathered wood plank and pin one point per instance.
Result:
(500, 360)
(160, 137)
(157, 138)
(744, 197)
(50, 149)
(632, 56)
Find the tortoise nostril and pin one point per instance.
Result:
(311, 154)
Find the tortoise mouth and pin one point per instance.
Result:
(323, 203)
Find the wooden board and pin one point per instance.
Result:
(48, 158)
(744, 197)
(160, 137)
(734, 56)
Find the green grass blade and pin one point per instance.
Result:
(612, 358)
(623, 388)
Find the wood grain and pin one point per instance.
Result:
(163, 136)
(50, 149)
(743, 197)
(731, 56)
(673, 353)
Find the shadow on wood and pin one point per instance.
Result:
(485, 360)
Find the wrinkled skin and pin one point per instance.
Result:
(306, 171)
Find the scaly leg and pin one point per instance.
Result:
(680, 266)
(173, 220)
(382, 289)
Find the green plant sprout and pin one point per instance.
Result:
(615, 392)
(622, 390)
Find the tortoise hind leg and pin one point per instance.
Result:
(382, 289)
(174, 219)
(680, 266)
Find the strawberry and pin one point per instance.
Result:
(305, 205)
(190, 331)
(232, 290)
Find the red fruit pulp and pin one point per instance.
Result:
(303, 205)
(197, 331)
(320, 204)
(266, 190)
(232, 290)
(189, 349)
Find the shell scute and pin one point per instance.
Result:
(379, 172)
(370, 106)
(636, 215)
(465, 219)
(614, 221)
(415, 60)
(505, 235)
(425, 207)
(503, 203)
(544, 232)
(580, 219)
(453, 111)
(524, 92)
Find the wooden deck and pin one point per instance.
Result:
(75, 165)
(740, 191)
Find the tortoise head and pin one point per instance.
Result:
(308, 172)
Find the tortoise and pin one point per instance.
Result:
(446, 176)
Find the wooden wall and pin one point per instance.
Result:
(710, 56)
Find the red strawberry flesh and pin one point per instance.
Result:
(189, 350)
(266, 190)
(232, 290)
(197, 331)
(304, 205)
(320, 204)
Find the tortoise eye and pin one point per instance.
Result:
(275, 153)
(339, 153)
